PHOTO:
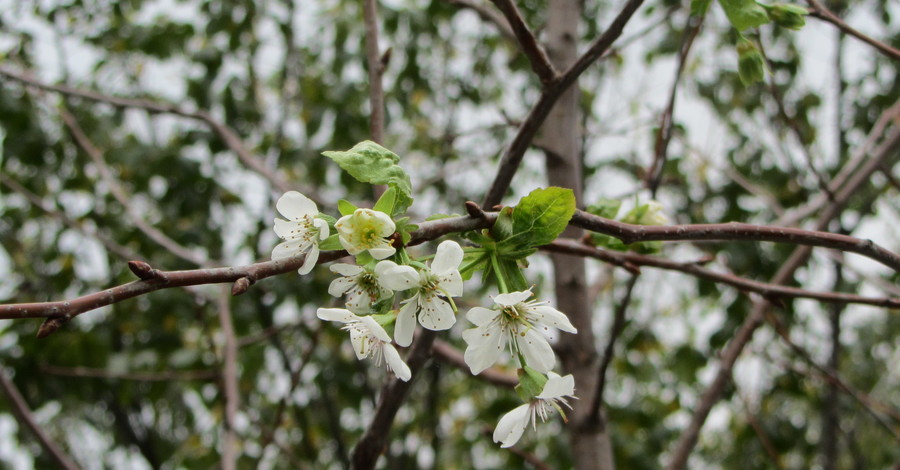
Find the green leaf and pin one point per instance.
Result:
(386, 201)
(699, 7)
(787, 15)
(751, 65)
(403, 227)
(331, 243)
(606, 208)
(744, 14)
(346, 207)
(539, 218)
(369, 162)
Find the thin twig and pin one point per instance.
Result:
(512, 155)
(764, 439)
(230, 390)
(26, 419)
(489, 15)
(821, 12)
(154, 376)
(614, 332)
(540, 63)
(631, 261)
(228, 135)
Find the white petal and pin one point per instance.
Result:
(384, 220)
(552, 317)
(406, 324)
(538, 354)
(287, 249)
(383, 267)
(481, 316)
(511, 426)
(436, 314)
(484, 348)
(512, 298)
(449, 255)
(375, 329)
(451, 282)
(351, 248)
(395, 363)
(336, 314)
(382, 252)
(399, 278)
(311, 258)
(345, 269)
(557, 386)
(361, 344)
(294, 205)
(340, 286)
(342, 224)
(288, 229)
(322, 225)
(358, 301)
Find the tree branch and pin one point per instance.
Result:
(26, 419)
(153, 376)
(609, 351)
(821, 12)
(540, 64)
(376, 64)
(230, 389)
(489, 15)
(228, 135)
(447, 353)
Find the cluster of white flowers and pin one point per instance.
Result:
(514, 323)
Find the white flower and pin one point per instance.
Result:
(301, 231)
(362, 286)
(652, 214)
(515, 321)
(434, 287)
(368, 339)
(366, 229)
(512, 425)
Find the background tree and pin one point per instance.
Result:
(163, 132)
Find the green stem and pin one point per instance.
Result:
(500, 281)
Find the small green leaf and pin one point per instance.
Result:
(699, 7)
(503, 227)
(331, 243)
(751, 65)
(346, 207)
(539, 218)
(386, 201)
(744, 14)
(606, 208)
(369, 162)
(787, 15)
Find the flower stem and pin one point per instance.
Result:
(500, 281)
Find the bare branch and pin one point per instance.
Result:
(535, 53)
(512, 155)
(489, 15)
(228, 135)
(154, 376)
(608, 351)
(230, 390)
(26, 419)
(376, 68)
(821, 12)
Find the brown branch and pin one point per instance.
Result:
(667, 119)
(489, 15)
(632, 261)
(630, 233)
(540, 63)
(615, 330)
(821, 12)
(155, 376)
(228, 135)
(230, 390)
(447, 353)
(26, 419)
(512, 155)
(769, 448)
(393, 394)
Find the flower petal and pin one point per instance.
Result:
(345, 269)
(322, 225)
(387, 225)
(311, 258)
(451, 282)
(294, 206)
(361, 343)
(436, 314)
(288, 249)
(449, 255)
(512, 298)
(375, 329)
(552, 317)
(484, 348)
(557, 386)
(536, 349)
(340, 286)
(406, 324)
(382, 252)
(511, 426)
(481, 316)
(399, 277)
(336, 314)
(288, 230)
(395, 363)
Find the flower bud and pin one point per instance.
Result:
(787, 15)
(751, 66)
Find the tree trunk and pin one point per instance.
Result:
(561, 139)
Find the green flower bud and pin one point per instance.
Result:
(531, 382)
(787, 15)
(751, 66)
